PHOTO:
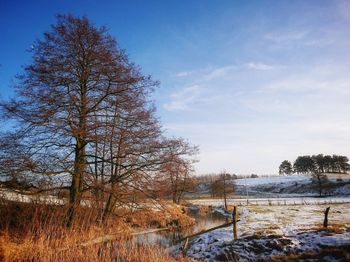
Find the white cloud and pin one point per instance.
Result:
(322, 79)
(208, 74)
(308, 38)
(182, 99)
(183, 74)
(258, 66)
(219, 72)
(280, 37)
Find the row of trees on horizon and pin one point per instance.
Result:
(316, 164)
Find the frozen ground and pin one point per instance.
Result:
(271, 201)
(271, 180)
(283, 186)
(292, 186)
(273, 232)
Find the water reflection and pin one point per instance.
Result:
(169, 238)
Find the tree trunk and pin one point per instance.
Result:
(174, 198)
(112, 200)
(325, 221)
(109, 207)
(79, 161)
(77, 181)
(319, 184)
(225, 197)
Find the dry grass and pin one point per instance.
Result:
(34, 232)
(340, 253)
(258, 209)
(333, 228)
(168, 216)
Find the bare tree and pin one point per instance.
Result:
(177, 167)
(63, 98)
(321, 182)
(133, 148)
(222, 187)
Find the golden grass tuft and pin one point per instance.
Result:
(165, 215)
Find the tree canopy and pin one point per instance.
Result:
(316, 164)
(285, 168)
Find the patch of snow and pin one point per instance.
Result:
(271, 180)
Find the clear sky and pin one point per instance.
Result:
(251, 82)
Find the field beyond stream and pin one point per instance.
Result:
(280, 233)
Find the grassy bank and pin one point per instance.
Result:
(37, 232)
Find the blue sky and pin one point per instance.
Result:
(251, 82)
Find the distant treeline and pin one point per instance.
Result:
(316, 164)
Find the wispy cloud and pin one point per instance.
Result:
(210, 73)
(285, 36)
(314, 38)
(183, 74)
(322, 79)
(182, 100)
(259, 66)
(219, 72)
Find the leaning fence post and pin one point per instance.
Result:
(184, 247)
(325, 221)
(234, 222)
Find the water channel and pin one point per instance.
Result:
(170, 238)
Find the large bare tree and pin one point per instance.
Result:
(78, 86)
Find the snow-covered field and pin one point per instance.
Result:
(291, 186)
(267, 232)
(281, 186)
(272, 201)
(271, 180)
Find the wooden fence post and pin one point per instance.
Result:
(325, 221)
(185, 247)
(234, 222)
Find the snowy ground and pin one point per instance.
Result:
(291, 186)
(282, 187)
(271, 201)
(267, 232)
(271, 180)
(14, 195)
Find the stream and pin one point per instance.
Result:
(169, 238)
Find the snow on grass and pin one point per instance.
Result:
(266, 232)
(291, 186)
(271, 201)
(345, 190)
(272, 180)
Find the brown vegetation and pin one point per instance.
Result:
(37, 232)
(340, 253)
